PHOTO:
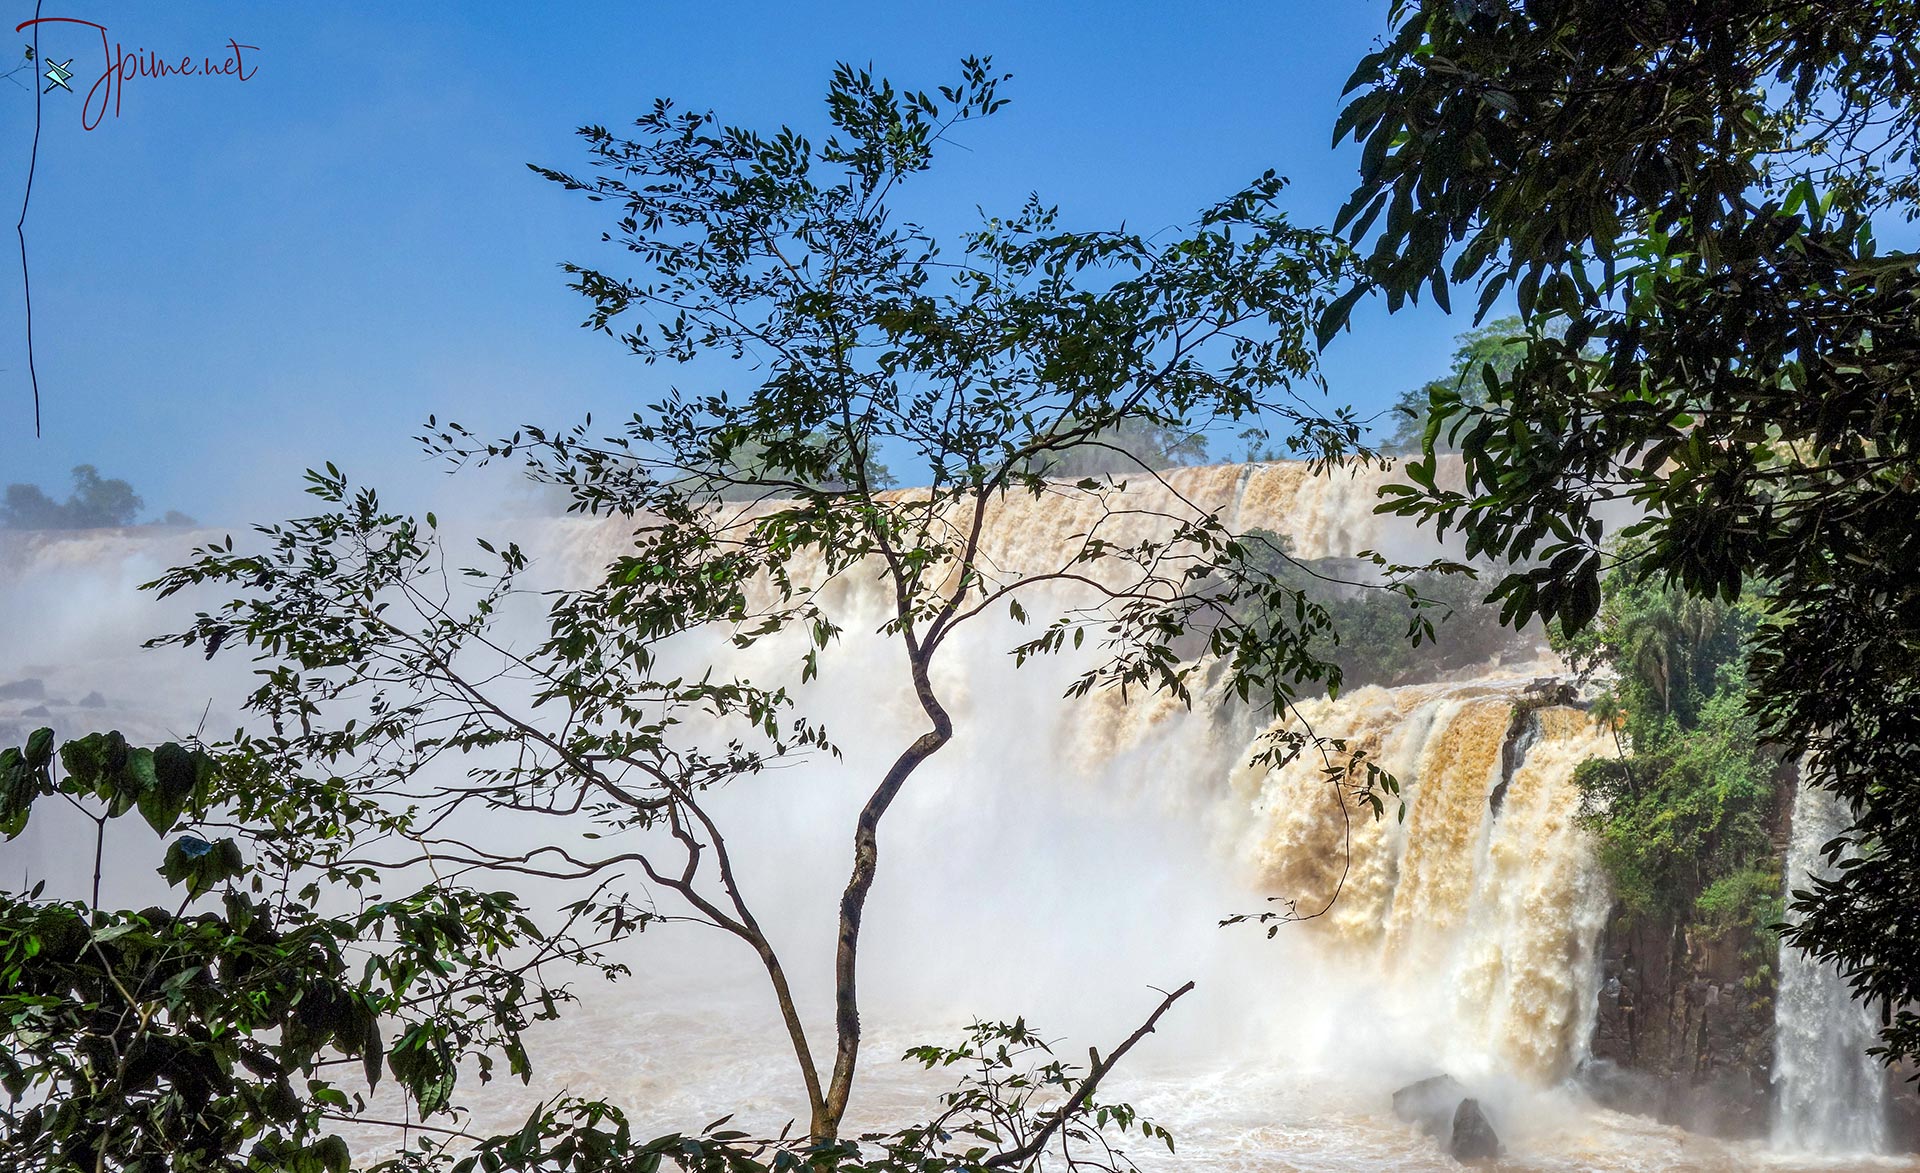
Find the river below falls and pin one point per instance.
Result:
(1061, 857)
(673, 1070)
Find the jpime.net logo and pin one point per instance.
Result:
(120, 66)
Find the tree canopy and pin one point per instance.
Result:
(1684, 199)
(1682, 813)
(1499, 345)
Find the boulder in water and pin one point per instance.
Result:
(1621, 1089)
(1473, 1136)
(1430, 1103)
(1444, 1111)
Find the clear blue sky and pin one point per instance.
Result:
(235, 280)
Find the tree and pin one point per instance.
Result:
(95, 503)
(1498, 345)
(239, 1030)
(973, 370)
(236, 1030)
(1417, 627)
(1127, 447)
(1687, 195)
(1683, 809)
(746, 464)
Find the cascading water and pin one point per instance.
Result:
(1832, 1097)
(1481, 925)
(1093, 844)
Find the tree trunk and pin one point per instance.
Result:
(866, 861)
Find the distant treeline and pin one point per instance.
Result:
(96, 502)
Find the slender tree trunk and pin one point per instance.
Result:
(866, 860)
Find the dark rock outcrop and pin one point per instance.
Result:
(1473, 1136)
(1546, 692)
(1621, 1089)
(1430, 1104)
(1684, 1030)
(1443, 1110)
(1903, 1108)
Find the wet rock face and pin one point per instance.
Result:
(1473, 1136)
(1621, 1089)
(1681, 1034)
(1903, 1108)
(1684, 1029)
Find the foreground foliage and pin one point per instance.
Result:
(237, 1028)
(242, 1028)
(1499, 344)
(1421, 626)
(1683, 200)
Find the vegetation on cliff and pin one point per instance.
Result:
(1682, 814)
(1418, 626)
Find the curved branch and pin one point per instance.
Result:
(1078, 1099)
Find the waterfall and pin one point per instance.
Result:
(1832, 1097)
(1093, 843)
(1480, 928)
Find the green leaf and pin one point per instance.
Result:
(1335, 318)
(174, 772)
(333, 1155)
(373, 1049)
(92, 761)
(200, 865)
(39, 748)
(20, 784)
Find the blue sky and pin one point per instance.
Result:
(236, 280)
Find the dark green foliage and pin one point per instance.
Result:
(746, 466)
(1129, 447)
(1683, 198)
(239, 1032)
(234, 1032)
(1416, 627)
(1682, 813)
(93, 503)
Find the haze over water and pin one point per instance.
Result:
(1060, 860)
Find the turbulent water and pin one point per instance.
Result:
(1061, 859)
(1832, 1097)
